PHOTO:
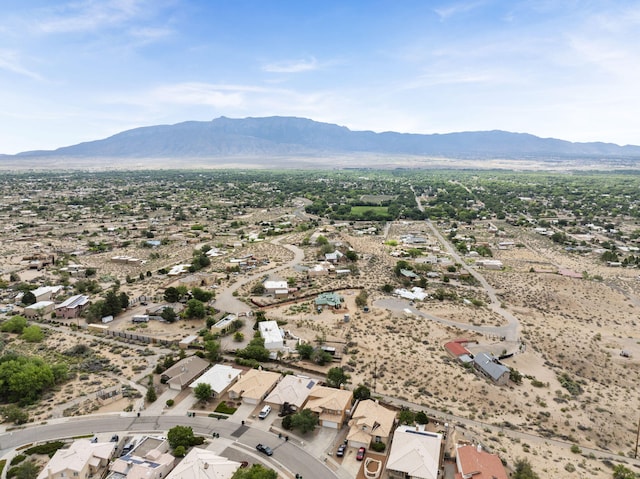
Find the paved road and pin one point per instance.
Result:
(288, 457)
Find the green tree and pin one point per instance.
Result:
(195, 309)
(256, 471)
(212, 348)
(112, 304)
(620, 471)
(305, 350)
(169, 315)
(32, 334)
(361, 299)
(523, 470)
(361, 392)
(180, 436)
(152, 395)
(15, 324)
(26, 470)
(322, 240)
(305, 421)
(203, 392)
(421, 418)
(171, 295)
(28, 298)
(406, 416)
(336, 377)
(258, 289)
(255, 350)
(15, 414)
(202, 295)
(321, 357)
(123, 299)
(515, 375)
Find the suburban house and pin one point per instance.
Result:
(320, 269)
(291, 389)
(149, 460)
(457, 349)
(330, 405)
(219, 377)
(38, 310)
(415, 453)
(224, 324)
(81, 460)
(328, 301)
(474, 463)
(253, 386)
(370, 422)
(407, 273)
(72, 307)
(334, 257)
(204, 464)
(184, 371)
(490, 367)
(272, 335)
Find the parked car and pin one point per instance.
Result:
(265, 412)
(361, 453)
(340, 451)
(264, 449)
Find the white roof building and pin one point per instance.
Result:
(203, 464)
(271, 286)
(414, 453)
(272, 335)
(219, 377)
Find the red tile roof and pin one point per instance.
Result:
(456, 348)
(476, 464)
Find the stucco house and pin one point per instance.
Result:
(38, 310)
(474, 463)
(220, 377)
(414, 454)
(291, 389)
(204, 464)
(81, 460)
(272, 335)
(72, 307)
(253, 386)
(184, 371)
(370, 422)
(330, 405)
(149, 460)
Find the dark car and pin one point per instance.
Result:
(360, 455)
(264, 449)
(340, 451)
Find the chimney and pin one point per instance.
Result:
(206, 465)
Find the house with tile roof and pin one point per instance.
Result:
(291, 389)
(254, 385)
(81, 460)
(415, 454)
(370, 422)
(184, 371)
(204, 464)
(330, 405)
(474, 463)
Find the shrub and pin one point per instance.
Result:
(179, 451)
(224, 408)
(170, 402)
(48, 448)
(378, 446)
(17, 459)
(286, 423)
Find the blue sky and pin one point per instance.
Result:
(79, 70)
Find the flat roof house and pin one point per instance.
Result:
(254, 385)
(273, 337)
(219, 377)
(39, 309)
(415, 453)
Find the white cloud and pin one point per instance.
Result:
(295, 66)
(457, 8)
(9, 61)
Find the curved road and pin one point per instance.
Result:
(287, 455)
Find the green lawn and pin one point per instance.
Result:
(359, 210)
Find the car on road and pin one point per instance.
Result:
(264, 449)
(340, 451)
(361, 453)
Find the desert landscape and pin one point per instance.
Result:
(576, 352)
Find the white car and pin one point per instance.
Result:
(265, 412)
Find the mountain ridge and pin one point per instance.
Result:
(261, 137)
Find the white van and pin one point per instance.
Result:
(265, 412)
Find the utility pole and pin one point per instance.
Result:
(635, 456)
(375, 377)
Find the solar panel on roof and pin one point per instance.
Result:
(311, 384)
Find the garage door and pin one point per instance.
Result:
(333, 425)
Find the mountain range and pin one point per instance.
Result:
(259, 139)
